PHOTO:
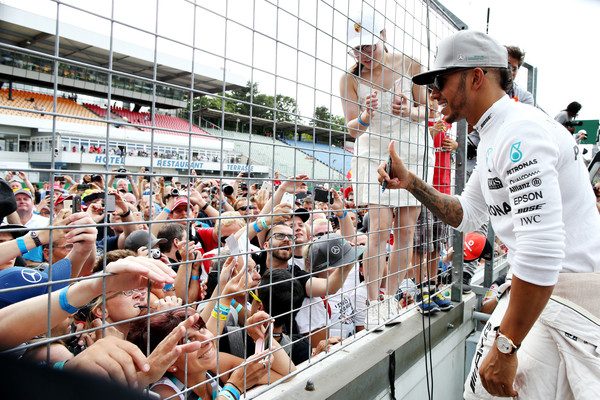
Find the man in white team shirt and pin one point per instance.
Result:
(531, 182)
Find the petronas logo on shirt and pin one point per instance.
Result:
(515, 152)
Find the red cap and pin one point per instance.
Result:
(61, 199)
(347, 191)
(476, 246)
(181, 201)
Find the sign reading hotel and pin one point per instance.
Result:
(179, 164)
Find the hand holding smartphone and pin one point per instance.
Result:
(323, 195)
(265, 343)
(388, 170)
(111, 205)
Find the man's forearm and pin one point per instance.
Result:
(526, 304)
(445, 207)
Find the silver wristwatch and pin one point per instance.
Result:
(504, 344)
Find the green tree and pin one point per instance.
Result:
(248, 100)
(322, 118)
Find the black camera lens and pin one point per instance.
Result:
(228, 190)
(175, 192)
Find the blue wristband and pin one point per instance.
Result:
(344, 214)
(64, 303)
(227, 394)
(22, 245)
(59, 365)
(221, 308)
(232, 389)
(256, 227)
(167, 287)
(195, 277)
(363, 123)
(167, 210)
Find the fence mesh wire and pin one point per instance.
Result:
(190, 131)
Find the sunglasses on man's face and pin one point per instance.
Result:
(439, 82)
(244, 208)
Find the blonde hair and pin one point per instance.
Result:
(230, 219)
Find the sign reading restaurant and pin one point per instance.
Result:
(179, 164)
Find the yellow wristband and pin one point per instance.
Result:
(218, 316)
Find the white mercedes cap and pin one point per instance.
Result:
(465, 49)
(364, 26)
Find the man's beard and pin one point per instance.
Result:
(279, 254)
(461, 100)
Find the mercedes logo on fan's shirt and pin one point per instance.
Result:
(31, 275)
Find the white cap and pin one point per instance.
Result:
(365, 26)
(465, 49)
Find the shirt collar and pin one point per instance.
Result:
(497, 108)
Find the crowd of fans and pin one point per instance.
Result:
(191, 285)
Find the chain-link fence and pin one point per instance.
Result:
(213, 165)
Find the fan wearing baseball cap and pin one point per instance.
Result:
(380, 105)
(528, 170)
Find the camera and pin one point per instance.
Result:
(122, 172)
(175, 192)
(227, 189)
(155, 253)
(96, 178)
(573, 123)
(323, 195)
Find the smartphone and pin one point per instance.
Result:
(264, 344)
(68, 204)
(323, 195)
(110, 205)
(268, 337)
(388, 170)
(84, 186)
(76, 204)
(288, 198)
(267, 185)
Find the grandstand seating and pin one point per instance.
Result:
(160, 121)
(334, 157)
(268, 151)
(42, 102)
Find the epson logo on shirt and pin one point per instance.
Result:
(524, 198)
(519, 167)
